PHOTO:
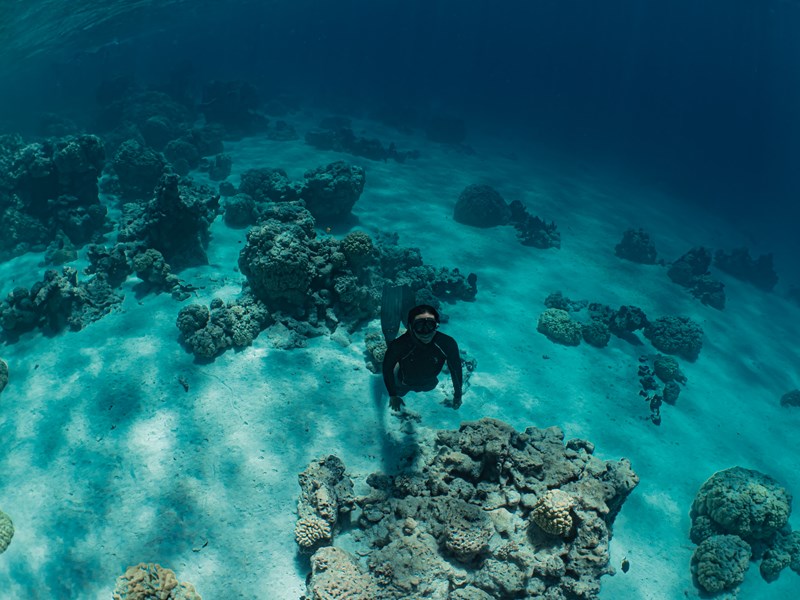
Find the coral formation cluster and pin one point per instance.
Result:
(175, 221)
(59, 301)
(676, 335)
(667, 369)
(207, 331)
(692, 272)
(670, 334)
(737, 515)
(49, 198)
(482, 206)
(339, 137)
(302, 284)
(328, 192)
(738, 262)
(482, 512)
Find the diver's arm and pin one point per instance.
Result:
(390, 360)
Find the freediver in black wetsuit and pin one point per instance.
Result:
(414, 360)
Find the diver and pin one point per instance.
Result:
(414, 360)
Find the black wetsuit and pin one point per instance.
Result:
(420, 363)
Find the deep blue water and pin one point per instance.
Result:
(703, 96)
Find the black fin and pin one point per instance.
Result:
(395, 302)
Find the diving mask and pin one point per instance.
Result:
(424, 326)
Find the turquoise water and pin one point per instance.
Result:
(121, 446)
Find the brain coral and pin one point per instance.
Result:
(720, 562)
(552, 512)
(149, 581)
(743, 502)
(557, 325)
(311, 531)
(6, 531)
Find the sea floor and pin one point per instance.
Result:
(108, 460)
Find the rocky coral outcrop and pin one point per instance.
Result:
(335, 134)
(326, 498)
(691, 271)
(49, 198)
(783, 552)
(59, 301)
(331, 191)
(336, 574)
(637, 246)
(269, 185)
(460, 522)
(175, 222)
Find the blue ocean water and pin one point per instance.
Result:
(128, 439)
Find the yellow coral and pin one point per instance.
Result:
(552, 512)
(6, 531)
(309, 531)
(150, 581)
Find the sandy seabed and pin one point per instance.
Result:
(108, 461)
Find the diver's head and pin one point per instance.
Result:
(423, 320)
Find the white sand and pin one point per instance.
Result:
(106, 461)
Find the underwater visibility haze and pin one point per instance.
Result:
(396, 300)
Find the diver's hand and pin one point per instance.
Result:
(396, 402)
(456, 402)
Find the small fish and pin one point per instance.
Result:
(626, 564)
